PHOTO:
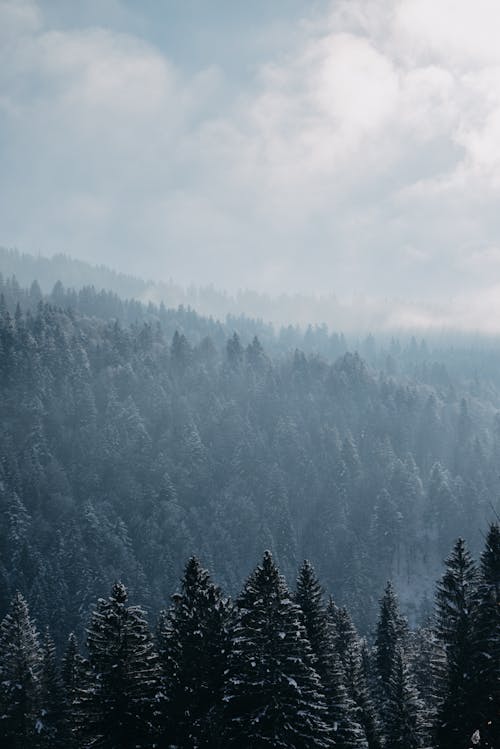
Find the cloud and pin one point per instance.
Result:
(363, 157)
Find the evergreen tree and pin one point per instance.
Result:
(487, 672)
(348, 647)
(193, 644)
(75, 674)
(403, 707)
(20, 666)
(319, 630)
(391, 629)
(51, 711)
(457, 717)
(273, 695)
(118, 705)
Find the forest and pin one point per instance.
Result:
(135, 436)
(276, 668)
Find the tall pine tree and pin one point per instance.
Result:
(319, 630)
(457, 717)
(51, 712)
(403, 708)
(348, 647)
(391, 629)
(273, 694)
(193, 643)
(20, 669)
(119, 704)
(487, 663)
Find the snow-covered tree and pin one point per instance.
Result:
(119, 702)
(76, 678)
(403, 708)
(348, 647)
(320, 632)
(20, 668)
(273, 695)
(457, 715)
(487, 663)
(193, 643)
(50, 723)
(391, 629)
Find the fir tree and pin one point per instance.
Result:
(455, 600)
(319, 630)
(118, 705)
(50, 724)
(20, 666)
(273, 694)
(487, 670)
(403, 707)
(348, 647)
(193, 643)
(391, 629)
(75, 674)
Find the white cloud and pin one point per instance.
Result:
(364, 157)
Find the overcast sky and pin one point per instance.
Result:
(349, 147)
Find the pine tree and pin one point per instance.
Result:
(75, 674)
(319, 630)
(487, 672)
(193, 643)
(20, 666)
(117, 707)
(348, 647)
(455, 609)
(51, 713)
(391, 629)
(403, 707)
(426, 657)
(273, 694)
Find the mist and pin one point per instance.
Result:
(335, 151)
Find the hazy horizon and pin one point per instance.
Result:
(314, 148)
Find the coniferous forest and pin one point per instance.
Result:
(134, 437)
(273, 668)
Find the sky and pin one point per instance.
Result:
(348, 147)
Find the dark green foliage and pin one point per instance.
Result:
(403, 708)
(122, 682)
(457, 716)
(487, 636)
(320, 632)
(349, 650)
(75, 674)
(51, 713)
(391, 631)
(269, 673)
(20, 671)
(193, 644)
(273, 694)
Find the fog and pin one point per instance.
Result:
(345, 151)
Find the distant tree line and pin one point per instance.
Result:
(124, 448)
(274, 668)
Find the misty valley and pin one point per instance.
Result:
(143, 445)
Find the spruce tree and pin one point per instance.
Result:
(20, 668)
(193, 644)
(403, 708)
(348, 647)
(119, 702)
(75, 673)
(391, 629)
(487, 664)
(319, 630)
(273, 695)
(457, 717)
(51, 710)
